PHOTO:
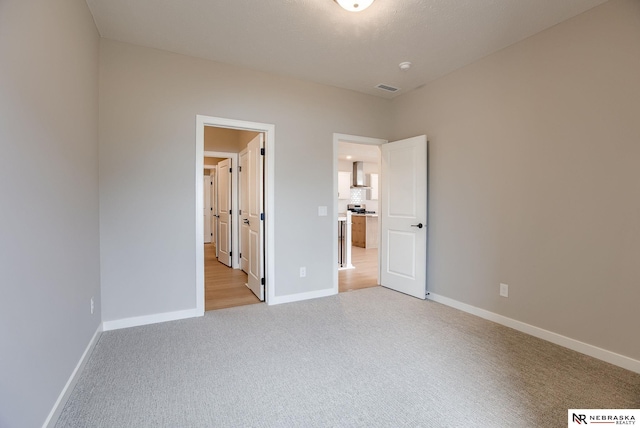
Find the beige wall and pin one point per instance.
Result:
(245, 137)
(49, 262)
(368, 167)
(226, 140)
(148, 104)
(212, 161)
(534, 160)
(221, 140)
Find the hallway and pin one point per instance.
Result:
(224, 287)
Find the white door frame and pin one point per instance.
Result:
(269, 131)
(234, 200)
(241, 195)
(214, 203)
(336, 140)
(208, 214)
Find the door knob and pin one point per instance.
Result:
(419, 225)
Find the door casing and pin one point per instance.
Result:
(269, 200)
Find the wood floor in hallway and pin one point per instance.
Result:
(224, 287)
(364, 275)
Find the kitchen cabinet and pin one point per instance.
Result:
(373, 182)
(364, 231)
(358, 230)
(344, 185)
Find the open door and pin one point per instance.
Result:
(403, 216)
(207, 209)
(243, 208)
(255, 218)
(224, 211)
(214, 208)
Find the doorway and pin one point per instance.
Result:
(224, 286)
(402, 224)
(220, 280)
(357, 167)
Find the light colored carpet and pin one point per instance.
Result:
(368, 358)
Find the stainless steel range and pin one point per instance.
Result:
(359, 209)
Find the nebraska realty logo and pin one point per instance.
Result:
(603, 416)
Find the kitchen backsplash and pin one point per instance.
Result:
(357, 197)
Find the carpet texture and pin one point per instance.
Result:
(367, 358)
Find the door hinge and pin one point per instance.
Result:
(262, 281)
(211, 234)
(211, 209)
(240, 212)
(240, 255)
(230, 253)
(229, 212)
(239, 169)
(262, 151)
(229, 170)
(261, 216)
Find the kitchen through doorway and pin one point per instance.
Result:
(358, 170)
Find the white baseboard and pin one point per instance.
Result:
(73, 379)
(151, 319)
(558, 339)
(302, 296)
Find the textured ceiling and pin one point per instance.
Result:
(317, 40)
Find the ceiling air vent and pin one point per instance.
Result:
(387, 88)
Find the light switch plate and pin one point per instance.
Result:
(504, 290)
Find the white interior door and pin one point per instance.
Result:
(403, 216)
(224, 212)
(207, 209)
(243, 208)
(255, 178)
(214, 209)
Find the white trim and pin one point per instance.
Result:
(558, 339)
(336, 140)
(150, 319)
(54, 414)
(269, 200)
(199, 219)
(276, 300)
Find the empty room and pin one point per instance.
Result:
(505, 214)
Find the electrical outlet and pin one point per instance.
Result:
(303, 272)
(92, 307)
(504, 290)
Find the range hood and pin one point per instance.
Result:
(358, 176)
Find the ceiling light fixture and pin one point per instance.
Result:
(354, 5)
